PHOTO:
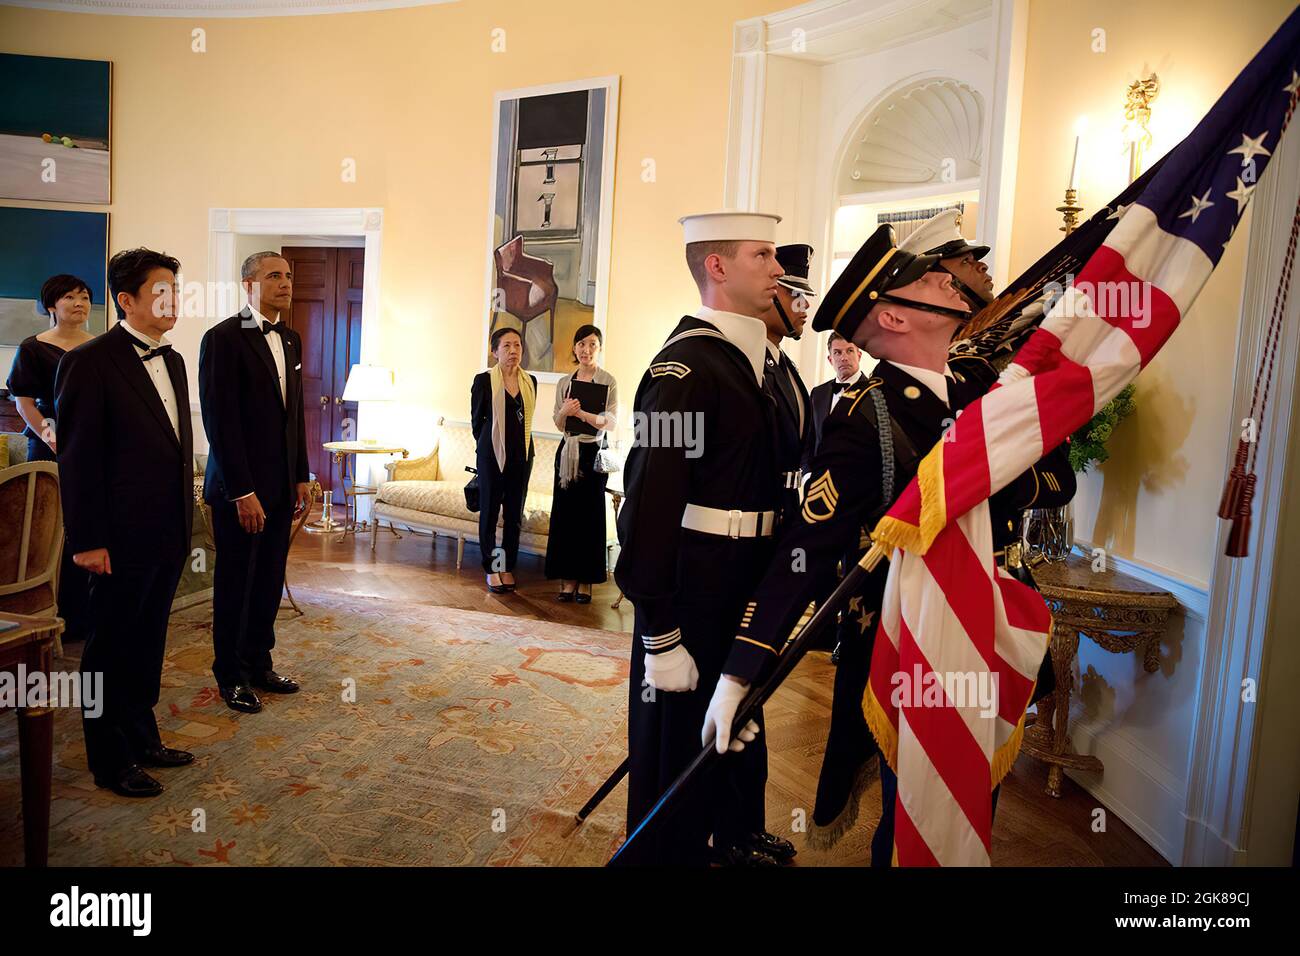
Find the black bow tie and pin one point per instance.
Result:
(269, 327)
(837, 387)
(148, 352)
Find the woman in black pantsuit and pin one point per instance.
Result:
(66, 299)
(501, 416)
(575, 548)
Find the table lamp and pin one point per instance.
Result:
(370, 383)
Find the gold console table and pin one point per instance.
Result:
(1120, 614)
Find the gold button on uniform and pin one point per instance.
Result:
(912, 391)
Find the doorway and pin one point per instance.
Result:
(327, 293)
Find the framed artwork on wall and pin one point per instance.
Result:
(38, 243)
(54, 129)
(551, 200)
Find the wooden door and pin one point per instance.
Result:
(327, 315)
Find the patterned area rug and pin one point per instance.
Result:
(472, 740)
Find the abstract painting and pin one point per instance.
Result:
(54, 128)
(552, 196)
(38, 243)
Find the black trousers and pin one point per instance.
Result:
(128, 637)
(497, 491)
(664, 736)
(246, 591)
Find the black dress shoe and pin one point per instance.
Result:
(131, 782)
(782, 851)
(273, 682)
(497, 588)
(241, 697)
(583, 597)
(742, 856)
(166, 757)
(564, 597)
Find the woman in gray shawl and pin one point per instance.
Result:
(575, 549)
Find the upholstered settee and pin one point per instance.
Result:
(428, 494)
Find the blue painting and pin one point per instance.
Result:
(54, 128)
(38, 243)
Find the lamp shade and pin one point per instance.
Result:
(369, 383)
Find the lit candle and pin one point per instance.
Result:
(1079, 127)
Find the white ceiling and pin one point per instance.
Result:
(218, 8)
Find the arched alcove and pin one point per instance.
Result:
(929, 132)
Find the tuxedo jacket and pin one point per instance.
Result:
(820, 402)
(126, 478)
(257, 441)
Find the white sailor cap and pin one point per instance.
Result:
(941, 236)
(730, 225)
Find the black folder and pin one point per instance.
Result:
(592, 398)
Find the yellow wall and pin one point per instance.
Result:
(266, 116)
(1156, 498)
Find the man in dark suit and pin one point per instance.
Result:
(250, 390)
(846, 359)
(126, 470)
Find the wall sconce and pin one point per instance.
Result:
(1071, 208)
(1137, 113)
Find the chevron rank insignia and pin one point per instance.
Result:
(819, 504)
(675, 369)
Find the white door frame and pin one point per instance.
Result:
(1225, 766)
(364, 222)
(755, 39)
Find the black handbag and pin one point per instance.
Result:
(471, 490)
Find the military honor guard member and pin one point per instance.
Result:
(785, 319)
(941, 236)
(250, 390)
(697, 522)
(903, 310)
(126, 472)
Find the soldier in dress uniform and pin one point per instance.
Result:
(902, 309)
(696, 525)
(941, 236)
(786, 320)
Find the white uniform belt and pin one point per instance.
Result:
(732, 524)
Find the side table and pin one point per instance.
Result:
(1120, 614)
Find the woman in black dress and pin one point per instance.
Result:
(575, 549)
(66, 300)
(501, 416)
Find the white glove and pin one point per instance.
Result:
(672, 670)
(722, 711)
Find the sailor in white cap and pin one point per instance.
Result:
(941, 236)
(696, 528)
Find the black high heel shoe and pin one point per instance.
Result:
(582, 597)
(496, 588)
(565, 597)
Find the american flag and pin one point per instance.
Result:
(949, 612)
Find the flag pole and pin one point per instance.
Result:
(757, 696)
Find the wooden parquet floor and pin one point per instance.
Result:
(1032, 829)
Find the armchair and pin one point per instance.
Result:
(527, 285)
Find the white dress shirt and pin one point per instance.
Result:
(276, 344)
(156, 368)
(936, 382)
(745, 333)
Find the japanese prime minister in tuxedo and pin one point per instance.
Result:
(126, 476)
(250, 390)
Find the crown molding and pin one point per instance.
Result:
(219, 8)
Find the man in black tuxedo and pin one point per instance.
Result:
(250, 390)
(846, 359)
(126, 470)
